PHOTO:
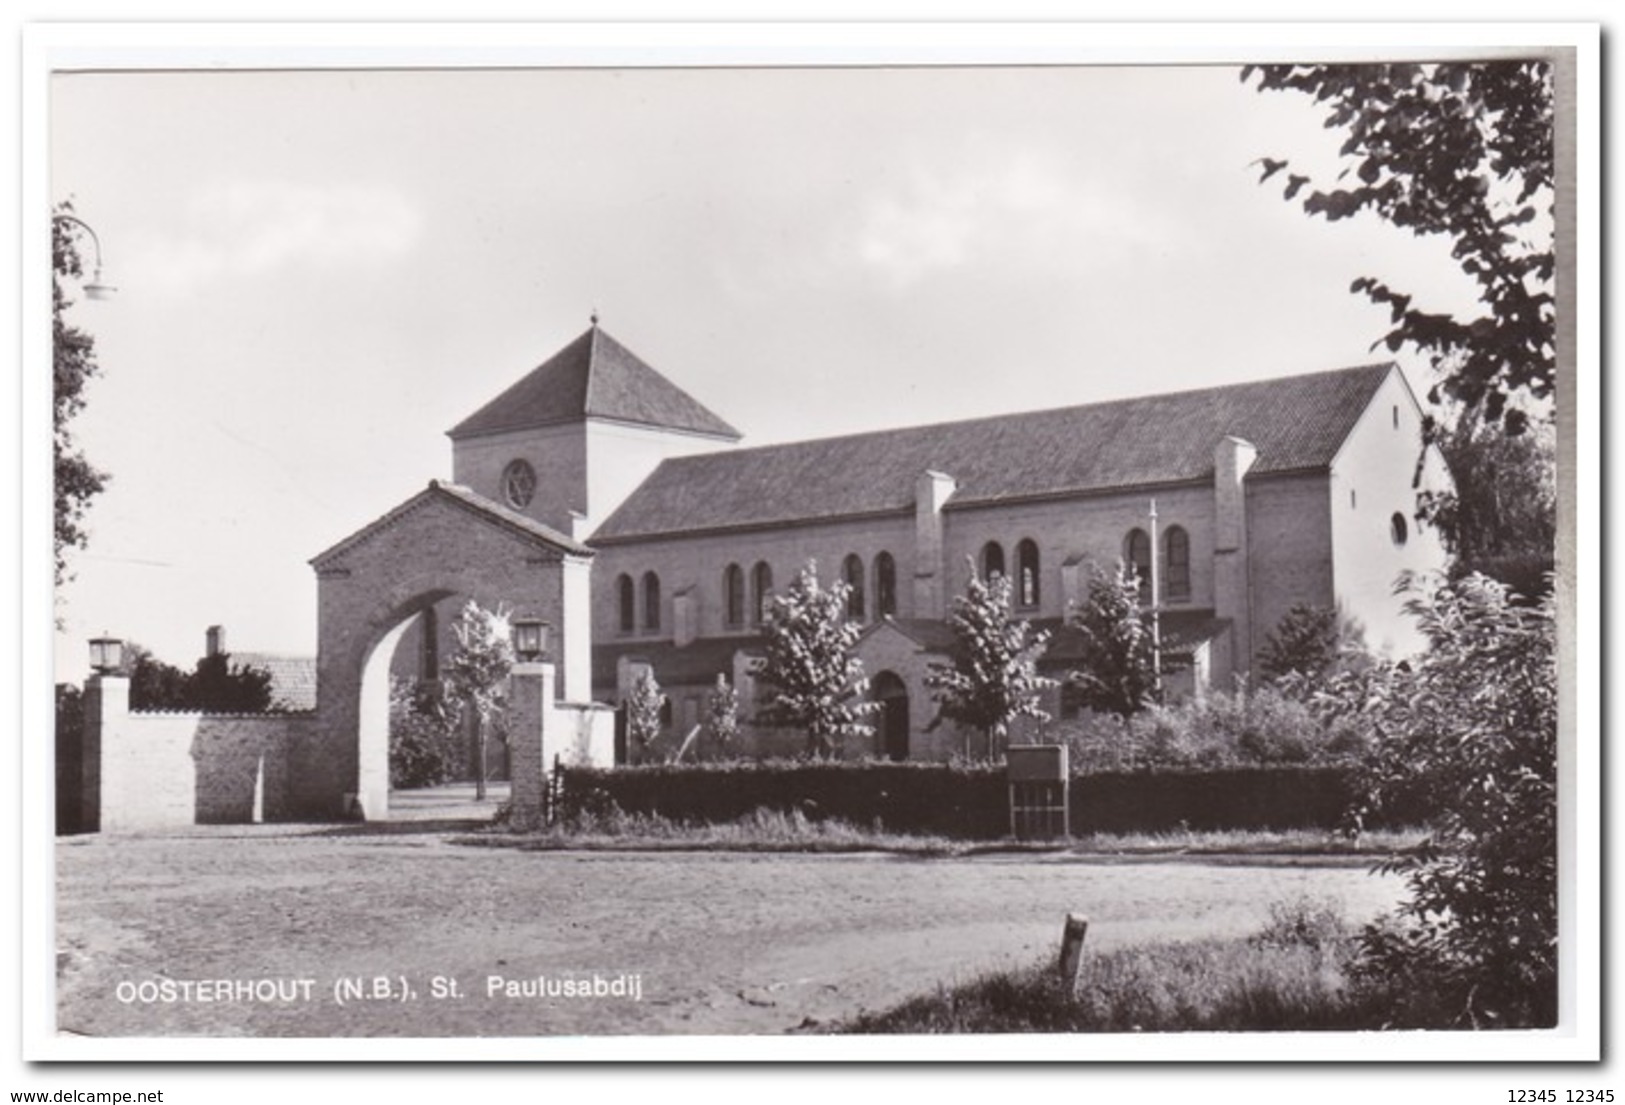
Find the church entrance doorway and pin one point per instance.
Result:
(889, 690)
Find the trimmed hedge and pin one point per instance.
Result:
(906, 798)
(971, 803)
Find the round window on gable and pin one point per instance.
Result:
(1397, 529)
(519, 483)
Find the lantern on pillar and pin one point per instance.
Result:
(106, 655)
(530, 639)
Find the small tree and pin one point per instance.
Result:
(1470, 727)
(722, 715)
(643, 711)
(1303, 644)
(993, 677)
(477, 673)
(1118, 674)
(1500, 517)
(813, 680)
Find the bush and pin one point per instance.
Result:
(423, 731)
(1261, 727)
(1471, 726)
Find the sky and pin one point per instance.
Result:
(321, 272)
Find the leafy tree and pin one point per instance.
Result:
(1118, 674)
(993, 677)
(73, 363)
(154, 684)
(215, 686)
(423, 731)
(477, 672)
(1462, 150)
(1470, 727)
(1501, 518)
(1304, 644)
(813, 680)
(722, 715)
(644, 709)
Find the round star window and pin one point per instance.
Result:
(519, 483)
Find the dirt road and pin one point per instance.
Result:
(262, 932)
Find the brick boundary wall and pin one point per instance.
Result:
(164, 770)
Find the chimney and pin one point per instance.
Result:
(215, 640)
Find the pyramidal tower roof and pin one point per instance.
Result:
(594, 376)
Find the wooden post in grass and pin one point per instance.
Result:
(1077, 926)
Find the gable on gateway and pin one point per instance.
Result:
(464, 506)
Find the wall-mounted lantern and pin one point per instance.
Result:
(530, 639)
(106, 655)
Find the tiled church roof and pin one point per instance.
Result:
(1296, 422)
(594, 376)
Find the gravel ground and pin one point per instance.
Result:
(728, 944)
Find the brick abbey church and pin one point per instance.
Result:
(1267, 494)
(597, 495)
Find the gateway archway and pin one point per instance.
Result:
(444, 543)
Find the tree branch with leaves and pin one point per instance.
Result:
(73, 363)
(1463, 151)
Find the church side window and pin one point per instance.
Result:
(627, 603)
(1176, 563)
(852, 573)
(651, 601)
(1137, 554)
(733, 590)
(761, 581)
(1027, 573)
(992, 560)
(885, 585)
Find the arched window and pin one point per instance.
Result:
(852, 573)
(885, 585)
(1176, 563)
(627, 603)
(1027, 573)
(651, 601)
(1137, 554)
(761, 585)
(733, 590)
(992, 560)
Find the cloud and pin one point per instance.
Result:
(245, 229)
(1019, 209)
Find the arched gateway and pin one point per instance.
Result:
(445, 543)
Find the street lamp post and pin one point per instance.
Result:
(95, 289)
